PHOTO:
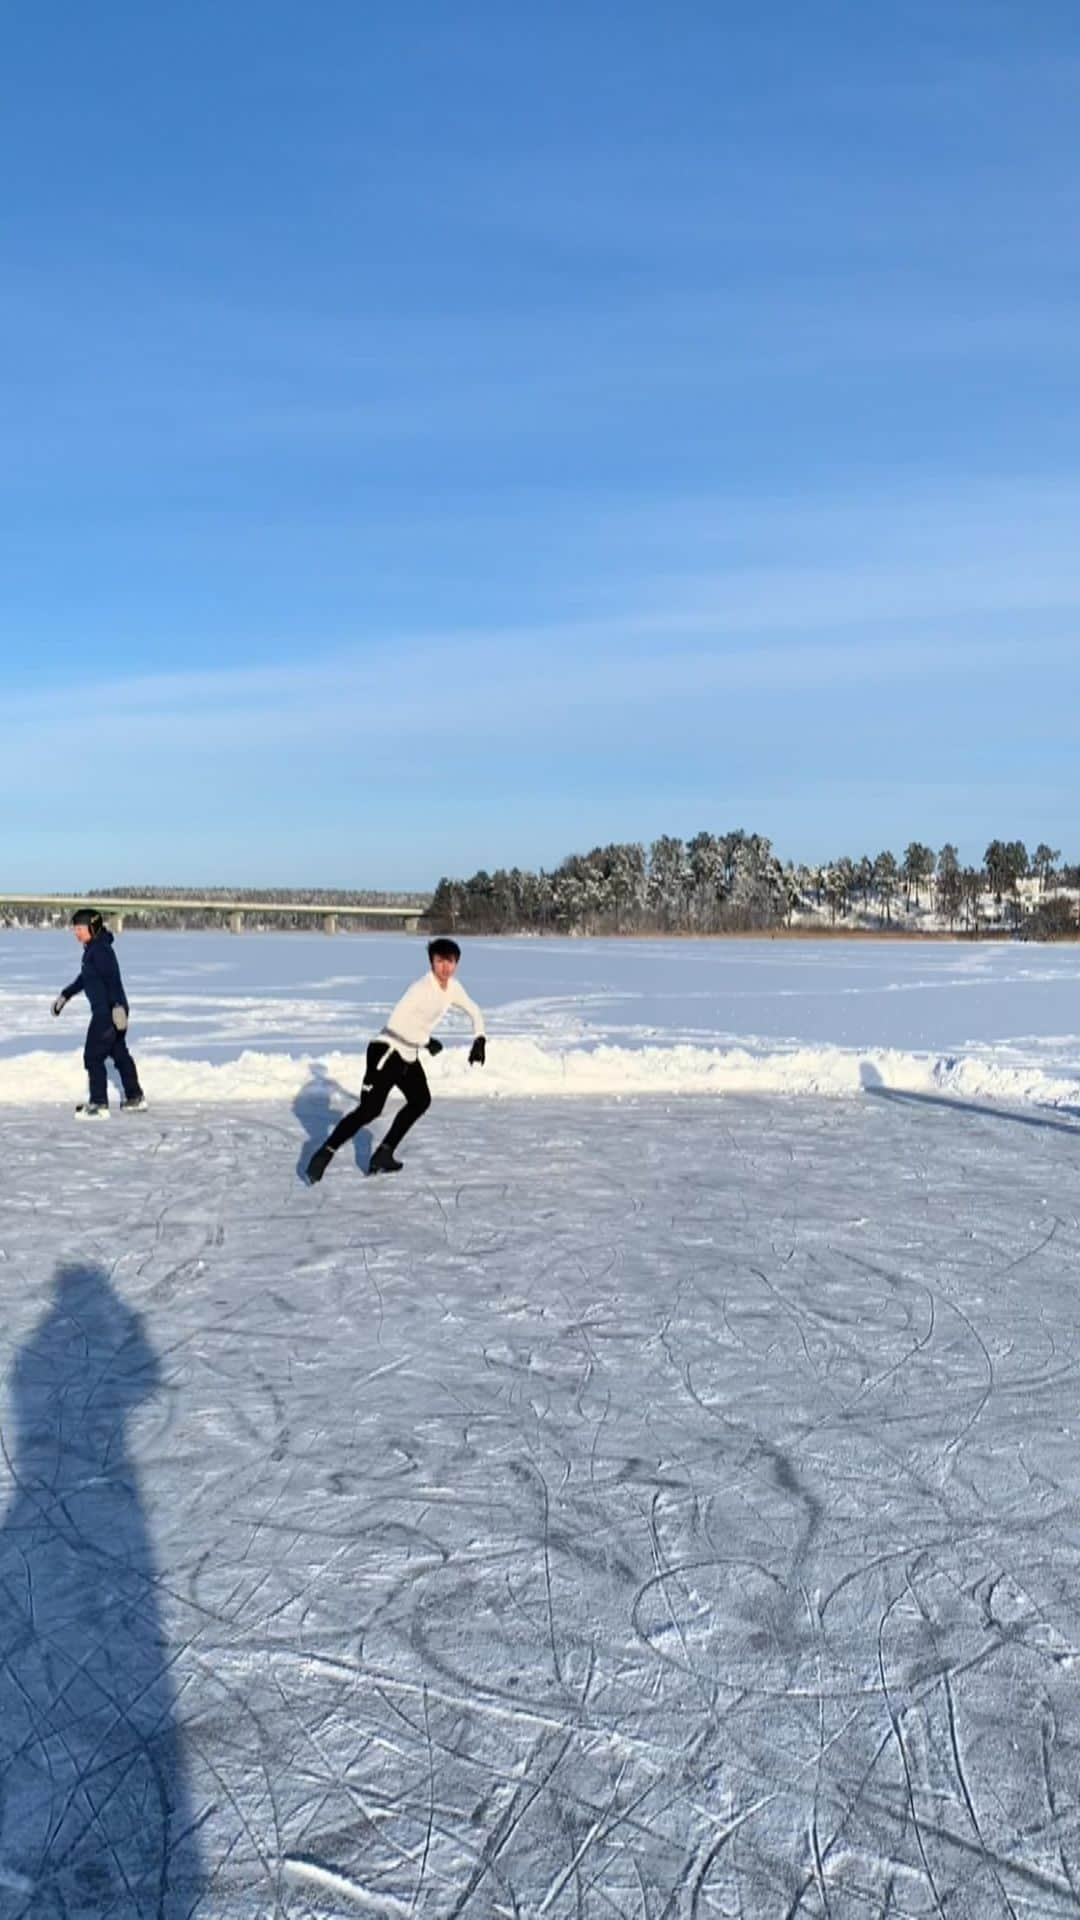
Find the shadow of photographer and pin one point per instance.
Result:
(95, 1810)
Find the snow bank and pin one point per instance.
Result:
(522, 1069)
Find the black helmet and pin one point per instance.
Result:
(88, 917)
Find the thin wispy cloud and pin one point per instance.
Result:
(504, 684)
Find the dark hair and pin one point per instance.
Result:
(443, 949)
(88, 917)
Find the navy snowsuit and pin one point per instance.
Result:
(99, 978)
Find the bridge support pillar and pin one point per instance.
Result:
(411, 926)
(236, 923)
(117, 922)
(329, 924)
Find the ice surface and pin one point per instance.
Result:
(662, 1507)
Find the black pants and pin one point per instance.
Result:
(385, 1070)
(104, 1043)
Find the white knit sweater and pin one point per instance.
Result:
(408, 1028)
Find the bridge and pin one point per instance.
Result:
(405, 915)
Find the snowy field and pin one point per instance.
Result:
(230, 1018)
(659, 1500)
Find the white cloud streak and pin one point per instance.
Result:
(502, 685)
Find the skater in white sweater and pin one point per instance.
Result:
(393, 1060)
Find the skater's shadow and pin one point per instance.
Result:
(873, 1083)
(95, 1810)
(319, 1106)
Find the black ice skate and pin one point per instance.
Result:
(382, 1161)
(137, 1104)
(92, 1110)
(318, 1164)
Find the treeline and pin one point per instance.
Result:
(733, 882)
(705, 885)
(961, 896)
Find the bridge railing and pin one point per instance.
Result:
(406, 915)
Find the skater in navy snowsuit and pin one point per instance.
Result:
(99, 978)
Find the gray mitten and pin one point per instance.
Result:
(120, 1019)
(59, 1003)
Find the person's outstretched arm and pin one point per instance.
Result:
(66, 994)
(478, 1050)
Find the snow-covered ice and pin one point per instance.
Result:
(662, 1505)
(230, 1019)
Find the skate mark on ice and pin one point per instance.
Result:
(962, 1432)
(1032, 1252)
(1047, 1733)
(520, 1804)
(905, 1760)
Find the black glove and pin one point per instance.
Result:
(478, 1051)
(434, 1047)
(59, 1003)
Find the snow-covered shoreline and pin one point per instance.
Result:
(220, 1021)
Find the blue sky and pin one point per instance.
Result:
(450, 436)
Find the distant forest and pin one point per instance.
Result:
(733, 882)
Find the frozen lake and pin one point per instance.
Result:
(569, 1015)
(660, 1506)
